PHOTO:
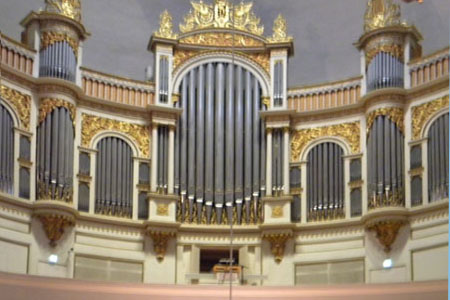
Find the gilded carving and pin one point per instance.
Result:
(277, 212)
(266, 101)
(50, 38)
(68, 8)
(91, 125)
(162, 209)
(422, 113)
(165, 26)
(160, 240)
(21, 103)
(321, 215)
(393, 49)
(280, 31)
(277, 244)
(221, 39)
(46, 191)
(395, 114)
(380, 14)
(348, 131)
(386, 232)
(49, 104)
(54, 226)
(222, 15)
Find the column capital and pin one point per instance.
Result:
(269, 130)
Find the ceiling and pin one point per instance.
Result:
(323, 31)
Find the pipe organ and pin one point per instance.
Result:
(384, 71)
(58, 60)
(163, 79)
(163, 142)
(219, 166)
(278, 87)
(6, 151)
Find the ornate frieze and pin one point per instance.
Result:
(395, 114)
(221, 39)
(91, 125)
(21, 103)
(47, 105)
(277, 243)
(222, 15)
(422, 113)
(68, 8)
(380, 14)
(54, 226)
(348, 131)
(50, 38)
(280, 31)
(165, 26)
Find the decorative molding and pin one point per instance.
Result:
(277, 211)
(162, 209)
(221, 39)
(50, 38)
(395, 114)
(277, 243)
(386, 232)
(91, 125)
(422, 113)
(21, 103)
(416, 172)
(160, 239)
(348, 131)
(54, 226)
(165, 26)
(47, 105)
(356, 184)
(220, 15)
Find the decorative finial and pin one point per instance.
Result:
(68, 8)
(382, 13)
(280, 30)
(165, 26)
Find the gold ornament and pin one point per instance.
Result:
(54, 226)
(160, 239)
(393, 49)
(222, 15)
(348, 131)
(49, 104)
(277, 244)
(386, 232)
(380, 14)
(165, 26)
(162, 209)
(280, 31)
(277, 212)
(422, 113)
(91, 125)
(395, 114)
(68, 8)
(50, 38)
(221, 39)
(21, 103)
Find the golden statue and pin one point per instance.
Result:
(165, 26)
(381, 13)
(68, 8)
(280, 30)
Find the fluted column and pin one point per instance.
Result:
(171, 156)
(269, 162)
(286, 184)
(154, 156)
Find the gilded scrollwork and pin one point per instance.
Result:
(277, 243)
(165, 26)
(222, 15)
(386, 232)
(49, 104)
(221, 39)
(280, 31)
(393, 49)
(49, 38)
(422, 113)
(68, 8)
(160, 239)
(21, 103)
(162, 209)
(348, 131)
(54, 226)
(380, 14)
(395, 114)
(91, 125)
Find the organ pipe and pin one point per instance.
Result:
(6, 151)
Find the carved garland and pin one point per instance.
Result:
(50, 38)
(277, 243)
(49, 104)
(422, 113)
(91, 125)
(348, 131)
(21, 102)
(395, 114)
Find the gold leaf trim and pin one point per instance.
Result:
(280, 31)
(68, 8)
(422, 113)
(395, 114)
(394, 50)
(21, 103)
(348, 131)
(49, 104)
(221, 39)
(50, 38)
(91, 125)
(165, 26)
(380, 14)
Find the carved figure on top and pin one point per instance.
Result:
(280, 30)
(222, 15)
(165, 26)
(381, 13)
(68, 8)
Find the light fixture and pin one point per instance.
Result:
(53, 259)
(387, 263)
